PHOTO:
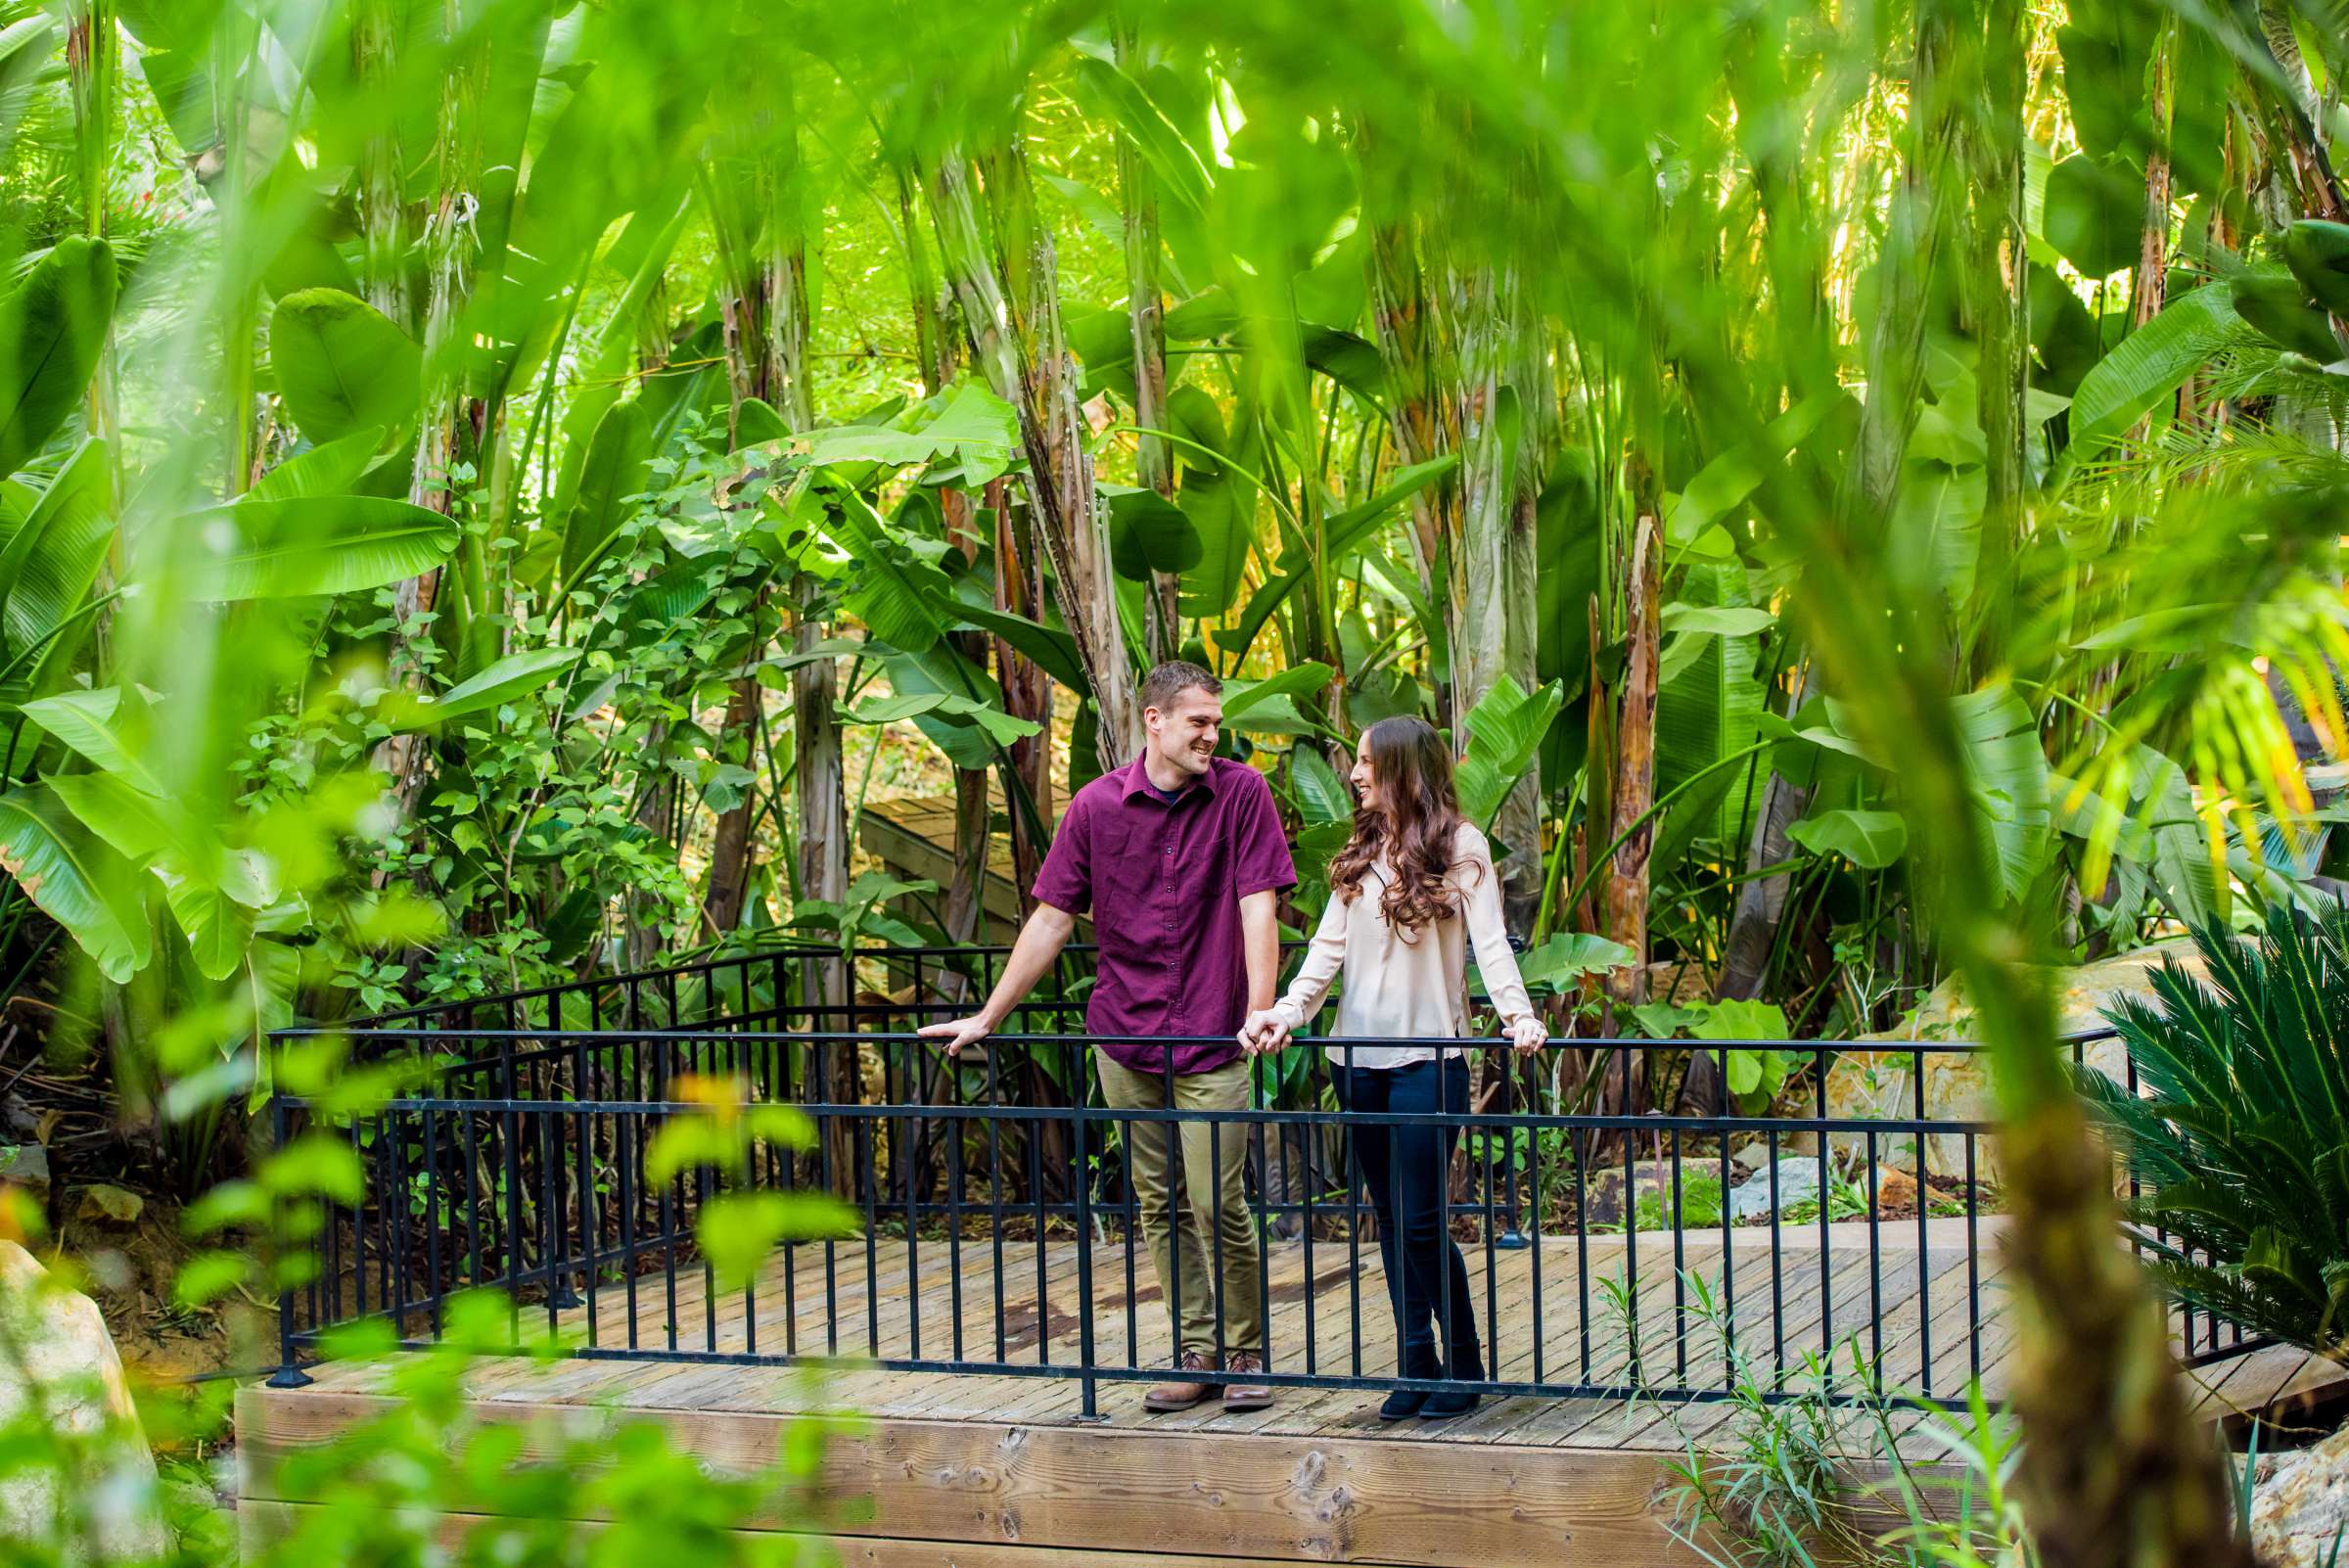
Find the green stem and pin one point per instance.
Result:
(1601, 860)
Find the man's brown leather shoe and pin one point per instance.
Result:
(1177, 1394)
(1245, 1396)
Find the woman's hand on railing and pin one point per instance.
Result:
(1528, 1035)
(1263, 1032)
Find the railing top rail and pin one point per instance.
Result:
(787, 948)
(1168, 1042)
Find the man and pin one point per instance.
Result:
(1180, 859)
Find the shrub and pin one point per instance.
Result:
(2239, 1136)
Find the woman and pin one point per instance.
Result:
(1410, 892)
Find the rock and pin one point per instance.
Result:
(1798, 1182)
(27, 1165)
(109, 1205)
(1881, 1084)
(1750, 1157)
(2301, 1510)
(69, 1364)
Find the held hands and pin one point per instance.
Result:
(1528, 1035)
(959, 1032)
(1263, 1032)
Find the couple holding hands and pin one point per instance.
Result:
(1180, 860)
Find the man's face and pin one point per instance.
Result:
(1185, 731)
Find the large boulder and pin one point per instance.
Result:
(59, 1370)
(2300, 1510)
(1882, 1084)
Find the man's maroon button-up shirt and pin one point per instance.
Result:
(1163, 880)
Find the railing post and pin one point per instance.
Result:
(289, 1373)
(1083, 1176)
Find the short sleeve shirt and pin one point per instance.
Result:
(1163, 880)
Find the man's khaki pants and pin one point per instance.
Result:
(1208, 1196)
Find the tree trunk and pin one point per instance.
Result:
(1027, 694)
(1635, 769)
(763, 254)
(966, 889)
(1010, 303)
(1998, 276)
(1145, 311)
(1762, 900)
(383, 282)
(450, 244)
(1399, 322)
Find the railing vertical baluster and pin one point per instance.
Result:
(1924, 1253)
(289, 1373)
(1680, 1261)
(1729, 1251)
(1082, 1175)
(431, 1220)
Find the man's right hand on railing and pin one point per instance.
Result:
(959, 1032)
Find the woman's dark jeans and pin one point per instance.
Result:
(1405, 1168)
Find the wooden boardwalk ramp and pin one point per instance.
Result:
(1001, 1469)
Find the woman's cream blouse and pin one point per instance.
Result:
(1409, 986)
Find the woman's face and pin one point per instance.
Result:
(1363, 788)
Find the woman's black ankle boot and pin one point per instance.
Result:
(1405, 1403)
(1452, 1402)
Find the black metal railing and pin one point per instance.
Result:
(997, 1228)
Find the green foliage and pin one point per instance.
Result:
(51, 326)
(2240, 1136)
(1504, 730)
(342, 365)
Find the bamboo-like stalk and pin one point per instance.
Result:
(450, 246)
(1145, 313)
(1009, 295)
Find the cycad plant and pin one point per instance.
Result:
(2240, 1136)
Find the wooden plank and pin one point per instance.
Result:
(264, 1524)
(1280, 1497)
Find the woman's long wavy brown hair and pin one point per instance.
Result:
(1414, 826)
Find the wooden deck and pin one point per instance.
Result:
(1001, 1468)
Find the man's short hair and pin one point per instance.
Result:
(1172, 680)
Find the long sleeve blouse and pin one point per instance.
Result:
(1413, 984)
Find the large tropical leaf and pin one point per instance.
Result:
(137, 824)
(1223, 521)
(2150, 363)
(342, 365)
(2006, 773)
(51, 329)
(75, 881)
(1869, 839)
(1723, 483)
(1240, 697)
(892, 592)
(315, 545)
(999, 726)
(618, 459)
(1504, 730)
(1051, 648)
(1567, 956)
(516, 676)
(90, 722)
(1321, 795)
(53, 556)
(329, 469)
(1707, 707)
(1148, 533)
